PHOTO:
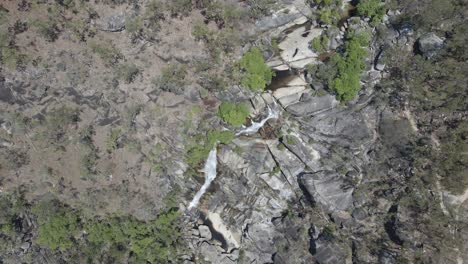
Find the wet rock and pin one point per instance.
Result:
(113, 23)
(329, 189)
(430, 44)
(313, 105)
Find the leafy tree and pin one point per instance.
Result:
(257, 74)
(373, 9)
(350, 66)
(233, 113)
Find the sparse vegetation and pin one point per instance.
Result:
(48, 29)
(128, 72)
(233, 113)
(112, 141)
(202, 144)
(172, 78)
(109, 54)
(179, 7)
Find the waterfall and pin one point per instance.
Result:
(211, 163)
(252, 129)
(210, 175)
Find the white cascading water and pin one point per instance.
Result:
(257, 125)
(212, 161)
(210, 175)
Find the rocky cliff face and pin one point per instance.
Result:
(322, 181)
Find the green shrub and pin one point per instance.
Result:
(233, 113)
(224, 137)
(350, 66)
(319, 43)
(328, 15)
(57, 225)
(58, 231)
(257, 75)
(373, 9)
(154, 241)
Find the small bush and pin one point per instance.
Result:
(261, 8)
(257, 74)
(112, 140)
(223, 14)
(11, 58)
(320, 43)
(172, 78)
(201, 31)
(48, 29)
(179, 7)
(128, 72)
(232, 113)
(147, 26)
(328, 16)
(107, 52)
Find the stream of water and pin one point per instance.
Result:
(210, 175)
(252, 129)
(211, 163)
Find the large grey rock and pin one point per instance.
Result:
(335, 38)
(113, 23)
(344, 128)
(430, 44)
(293, 12)
(329, 252)
(204, 232)
(295, 50)
(329, 189)
(313, 105)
